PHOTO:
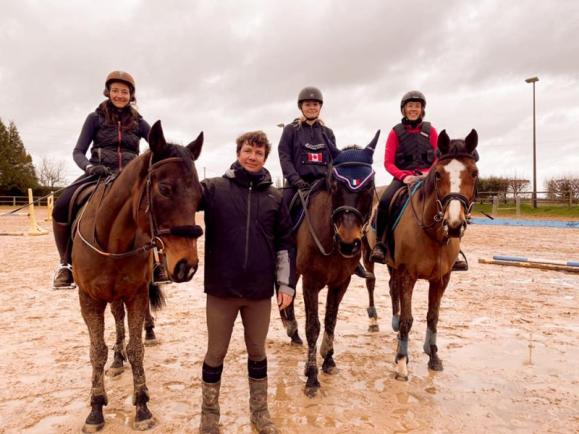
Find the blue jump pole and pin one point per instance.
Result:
(534, 261)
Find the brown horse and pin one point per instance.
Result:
(427, 242)
(150, 205)
(329, 248)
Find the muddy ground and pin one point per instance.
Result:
(509, 339)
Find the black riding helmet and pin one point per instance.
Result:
(413, 95)
(310, 93)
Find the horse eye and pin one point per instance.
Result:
(165, 190)
(475, 174)
(437, 175)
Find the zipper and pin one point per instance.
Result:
(119, 137)
(247, 226)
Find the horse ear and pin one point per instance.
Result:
(156, 138)
(196, 145)
(372, 144)
(443, 142)
(471, 141)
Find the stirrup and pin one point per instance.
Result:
(379, 253)
(360, 271)
(460, 264)
(69, 284)
(160, 275)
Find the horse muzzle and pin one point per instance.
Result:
(184, 271)
(348, 249)
(454, 231)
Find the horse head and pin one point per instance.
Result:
(173, 194)
(455, 175)
(351, 184)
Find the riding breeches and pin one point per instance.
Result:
(221, 314)
(384, 205)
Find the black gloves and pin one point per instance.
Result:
(97, 170)
(302, 185)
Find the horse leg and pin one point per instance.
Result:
(312, 334)
(370, 284)
(404, 285)
(136, 308)
(120, 356)
(395, 299)
(93, 313)
(333, 300)
(288, 318)
(435, 292)
(150, 337)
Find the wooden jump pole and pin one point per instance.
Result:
(539, 265)
(34, 228)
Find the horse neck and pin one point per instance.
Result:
(425, 207)
(320, 211)
(116, 226)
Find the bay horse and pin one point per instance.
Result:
(427, 242)
(149, 207)
(329, 248)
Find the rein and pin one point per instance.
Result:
(155, 243)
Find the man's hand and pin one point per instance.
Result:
(283, 300)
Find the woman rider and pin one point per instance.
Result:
(306, 148)
(114, 129)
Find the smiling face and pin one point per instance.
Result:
(251, 157)
(119, 94)
(413, 110)
(311, 109)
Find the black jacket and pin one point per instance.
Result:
(305, 151)
(247, 236)
(110, 143)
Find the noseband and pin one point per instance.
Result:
(155, 243)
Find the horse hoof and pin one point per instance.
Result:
(435, 365)
(296, 340)
(330, 370)
(311, 392)
(373, 328)
(89, 427)
(144, 425)
(401, 377)
(151, 342)
(114, 371)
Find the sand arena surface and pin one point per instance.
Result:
(508, 337)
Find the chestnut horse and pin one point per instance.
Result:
(150, 205)
(427, 241)
(329, 248)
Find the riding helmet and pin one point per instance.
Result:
(413, 95)
(123, 77)
(310, 93)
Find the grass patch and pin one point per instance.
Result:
(542, 211)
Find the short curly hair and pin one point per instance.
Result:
(254, 138)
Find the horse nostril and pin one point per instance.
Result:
(183, 271)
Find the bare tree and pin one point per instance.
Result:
(517, 185)
(51, 173)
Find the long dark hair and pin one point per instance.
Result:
(128, 116)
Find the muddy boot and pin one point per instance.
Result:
(260, 417)
(379, 253)
(460, 264)
(210, 408)
(360, 271)
(63, 275)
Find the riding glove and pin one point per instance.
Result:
(98, 170)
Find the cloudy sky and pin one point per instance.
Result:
(232, 66)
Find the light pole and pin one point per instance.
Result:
(534, 80)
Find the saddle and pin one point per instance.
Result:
(80, 198)
(296, 208)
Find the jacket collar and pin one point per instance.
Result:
(239, 175)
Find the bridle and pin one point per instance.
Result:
(155, 243)
(336, 212)
(443, 202)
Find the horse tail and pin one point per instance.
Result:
(156, 296)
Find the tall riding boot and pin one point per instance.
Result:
(63, 276)
(379, 251)
(260, 417)
(210, 408)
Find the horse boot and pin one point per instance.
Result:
(460, 264)
(63, 278)
(210, 408)
(260, 417)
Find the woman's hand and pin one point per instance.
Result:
(283, 300)
(410, 179)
